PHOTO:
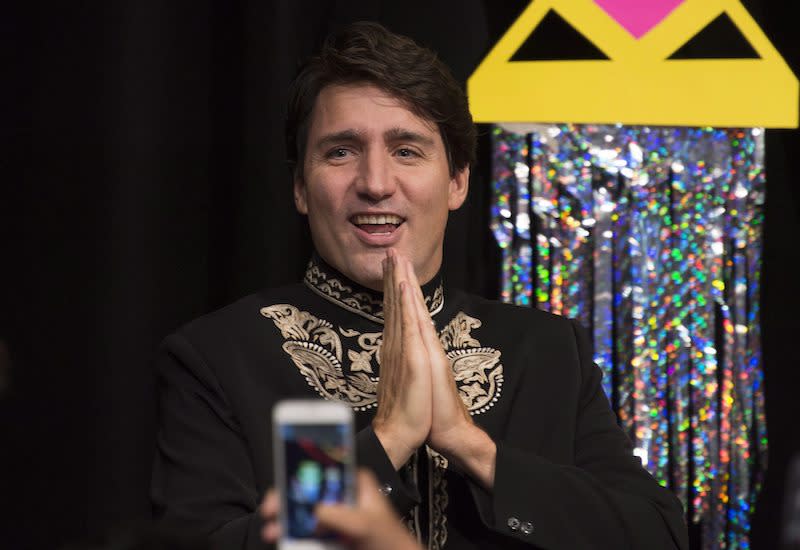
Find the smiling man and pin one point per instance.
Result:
(375, 176)
(485, 423)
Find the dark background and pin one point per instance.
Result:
(144, 184)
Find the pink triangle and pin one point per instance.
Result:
(638, 16)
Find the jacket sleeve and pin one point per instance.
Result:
(397, 485)
(203, 483)
(604, 499)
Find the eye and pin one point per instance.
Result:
(337, 153)
(407, 153)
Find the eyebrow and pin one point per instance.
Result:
(402, 134)
(393, 134)
(338, 137)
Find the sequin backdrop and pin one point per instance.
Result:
(651, 236)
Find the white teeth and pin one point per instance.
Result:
(377, 220)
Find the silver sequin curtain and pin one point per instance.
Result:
(651, 237)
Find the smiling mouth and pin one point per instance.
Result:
(377, 224)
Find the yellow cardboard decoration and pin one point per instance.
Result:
(637, 84)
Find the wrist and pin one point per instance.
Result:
(475, 455)
(395, 448)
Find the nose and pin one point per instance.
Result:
(375, 181)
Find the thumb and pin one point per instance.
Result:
(342, 519)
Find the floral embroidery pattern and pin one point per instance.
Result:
(477, 370)
(316, 349)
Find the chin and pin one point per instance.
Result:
(368, 275)
(363, 267)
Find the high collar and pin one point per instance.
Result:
(337, 288)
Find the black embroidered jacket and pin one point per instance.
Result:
(565, 473)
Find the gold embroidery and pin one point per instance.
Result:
(336, 290)
(370, 343)
(299, 325)
(411, 519)
(316, 350)
(479, 376)
(359, 361)
(436, 302)
(437, 499)
(457, 332)
(362, 303)
(477, 370)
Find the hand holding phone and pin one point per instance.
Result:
(314, 463)
(371, 525)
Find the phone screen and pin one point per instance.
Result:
(317, 470)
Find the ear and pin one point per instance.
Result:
(300, 199)
(459, 187)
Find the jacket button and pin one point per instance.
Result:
(385, 489)
(526, 528)
(513, 523)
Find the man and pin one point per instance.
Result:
(484, 423)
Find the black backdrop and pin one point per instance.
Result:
(144, 184)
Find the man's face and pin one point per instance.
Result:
(375, 176)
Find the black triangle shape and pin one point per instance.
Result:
(553, 39)
(720, 39)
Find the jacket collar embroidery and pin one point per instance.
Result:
(338, 289)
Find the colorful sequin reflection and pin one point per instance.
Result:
(651, 237)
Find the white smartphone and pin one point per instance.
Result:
(314, 447)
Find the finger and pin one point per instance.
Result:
(268, 510)
(344, 520)
(366, 482)
(397, 278)
(347, 520)
(413, 346)
(400, 273)
(426, 327)
(369, 494)
(418, 296)
(415, 304)
(269, 506)
(441, 370)
(391, 339)
(412, 277)
(391, 330)
(271, 532)
(405, 270)
(386, 294)
(388, 290)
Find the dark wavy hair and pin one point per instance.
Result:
(366, 52)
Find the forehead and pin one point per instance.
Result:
(363, 107)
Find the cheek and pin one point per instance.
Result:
(320, 196)
(326, 191)
(437, 202)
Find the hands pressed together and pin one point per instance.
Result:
(418, 402)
